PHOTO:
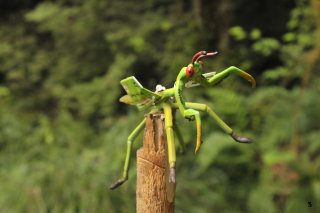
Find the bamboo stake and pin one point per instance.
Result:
(153, 193)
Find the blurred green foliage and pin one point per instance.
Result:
(63, 131)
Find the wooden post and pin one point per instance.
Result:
(153, 193)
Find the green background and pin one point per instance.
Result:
(63, 131)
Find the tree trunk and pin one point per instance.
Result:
(154, 193)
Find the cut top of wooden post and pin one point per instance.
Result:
(154, 193)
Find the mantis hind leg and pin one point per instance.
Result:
(130, 140)
(221, 123)
(179, 136)
(170, 141)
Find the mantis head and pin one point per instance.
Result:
(195, 68)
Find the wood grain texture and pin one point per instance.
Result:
(154, 193)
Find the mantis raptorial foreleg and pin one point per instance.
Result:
(221, 123)
(130, 140)
(170, 141)
(225, 73)
(192, 114)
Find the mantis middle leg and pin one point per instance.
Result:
(222, 124)
(179, 136)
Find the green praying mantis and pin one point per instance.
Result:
(167, 100)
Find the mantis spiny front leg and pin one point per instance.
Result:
(225, 73)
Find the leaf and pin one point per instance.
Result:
(277, 73)
(275, 156)
(137, 43)
(266, 46)
(288, 37)
(238, 33)
(210, 149)
(255, 34)
(4, 91)
(261, 200)
(42, 12)
(316, 189)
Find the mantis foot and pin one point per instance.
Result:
(117, 183)
(182, 151)
(241, 139)
(172, 175)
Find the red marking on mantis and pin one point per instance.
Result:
(189, 71)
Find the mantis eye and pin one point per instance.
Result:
(189, 71)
